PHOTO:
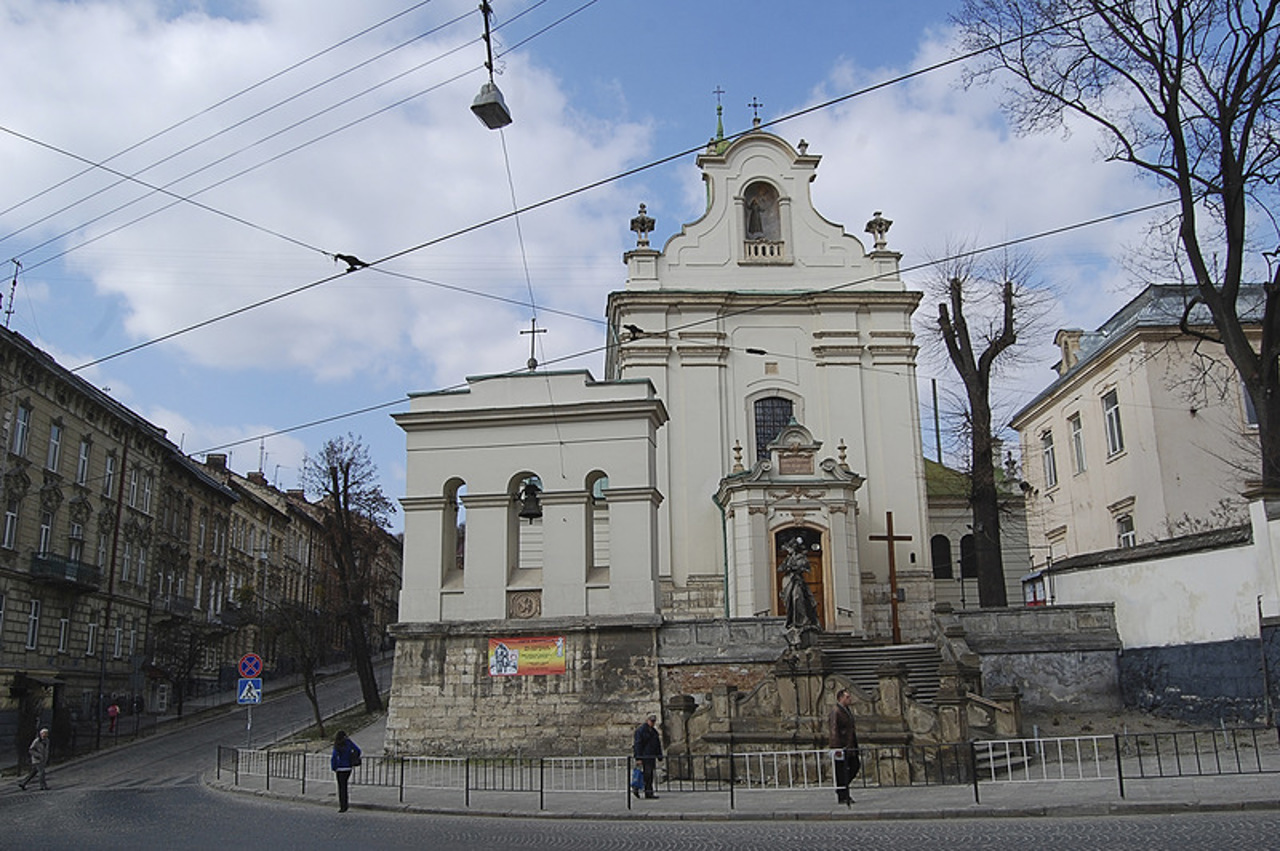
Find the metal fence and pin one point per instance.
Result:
(1120, 757)
(730, 773)
(1057, 759)
(1197, 753)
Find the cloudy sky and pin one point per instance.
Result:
(166, 163)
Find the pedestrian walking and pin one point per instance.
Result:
(842, 738)
(113, 712)
(39, 753)
(647, 749)
(346, 756)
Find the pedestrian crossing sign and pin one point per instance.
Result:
(249, 691)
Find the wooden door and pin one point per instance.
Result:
(814, 578)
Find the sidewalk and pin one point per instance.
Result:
(1089, 798)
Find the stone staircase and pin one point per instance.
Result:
(856, 659)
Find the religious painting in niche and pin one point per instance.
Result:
(760, 203)
(811, 541)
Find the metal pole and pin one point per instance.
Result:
(937, 427)
(731, 789)
(1266, 674)
(248, 728)
(1119, 765)
(973, 769)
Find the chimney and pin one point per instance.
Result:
(258, 477)
(216, 461)
(1068, 341)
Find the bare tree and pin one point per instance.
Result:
(981, 311)
(304, 632)
(354, 516)
(179, 646)
(1188, 91)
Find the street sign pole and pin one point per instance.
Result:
(249, 691)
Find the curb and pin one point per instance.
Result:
(977, 811)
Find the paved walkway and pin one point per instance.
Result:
(996, 799)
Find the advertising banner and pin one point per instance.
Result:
(523, 657)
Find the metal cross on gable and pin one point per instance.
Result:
(717, 91)
(533, 333)
(755, 106)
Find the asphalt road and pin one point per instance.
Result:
(189, 816)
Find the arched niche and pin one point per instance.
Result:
(453, 534)
(597, 527)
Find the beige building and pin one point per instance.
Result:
(1144, 435)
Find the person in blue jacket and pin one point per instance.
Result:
(647, 750)
(346, 756)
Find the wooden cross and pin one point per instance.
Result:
(890, 540)
(533, 331)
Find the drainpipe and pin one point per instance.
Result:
(111, 585)
(724, 545)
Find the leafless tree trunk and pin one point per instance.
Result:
(354, 516)
(974, 369)
(1188, 91)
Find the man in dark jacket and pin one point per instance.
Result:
(842, 738)
(647, 749)
(39, 753)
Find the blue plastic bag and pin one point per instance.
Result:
(637, 778)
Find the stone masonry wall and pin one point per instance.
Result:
(444, 702)
(617, 671)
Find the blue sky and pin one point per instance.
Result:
(375, 159)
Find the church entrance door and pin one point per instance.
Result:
(814, 578)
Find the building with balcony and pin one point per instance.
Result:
(81, 476)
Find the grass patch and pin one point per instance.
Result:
(352, 720)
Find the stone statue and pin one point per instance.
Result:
(802, 609)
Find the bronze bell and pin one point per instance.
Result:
(530, 506)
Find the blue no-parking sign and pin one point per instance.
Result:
(251, 665)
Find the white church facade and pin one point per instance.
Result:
(760, 388)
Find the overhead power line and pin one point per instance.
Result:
(781, 300)
(546, 201)
(214, 106)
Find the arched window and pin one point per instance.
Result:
(773, 413)
(525, 543)
(968, 558)
(453, 533)
(597, 528)
(940, 552)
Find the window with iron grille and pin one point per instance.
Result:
(773, 414)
